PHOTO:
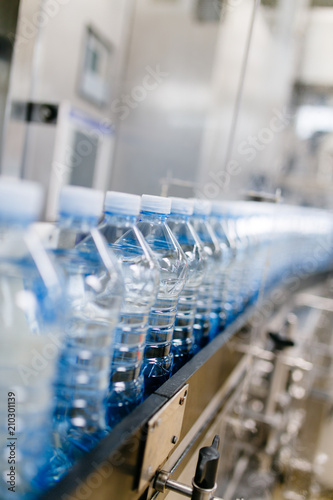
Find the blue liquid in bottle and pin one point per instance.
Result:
(94, 293)
(172, 265)
(183, 342)
(223, 307)
(213, 277)
(141, 278)
(31, 326)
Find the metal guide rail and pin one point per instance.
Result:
(169, 423)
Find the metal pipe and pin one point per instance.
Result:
(179, 487)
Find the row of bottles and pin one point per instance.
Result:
(106, 309)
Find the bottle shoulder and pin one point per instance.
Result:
(190, 244)
(184, 232)
(221, 233)
(86, 254)
(163, 244)
(128, 243)
(25, 250)
(161, 239)
(207, 237)
(171, 261)
(31, 281)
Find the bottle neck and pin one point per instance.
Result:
(79, 223)
(200, 217)
(147, 216)
(179, 217)
(119, 220)
(219, 217)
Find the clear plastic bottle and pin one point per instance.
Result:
(256, 257)
(158, 358)
(179, 222)
(237, 224)
(253, 253)
(31, 326)
(141, 279)
(213, 277)
(94, 293)
(222, 309)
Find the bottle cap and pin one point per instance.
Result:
(201, 207)
(158, 204)
(20, 199)
(122, 203)
(181, 206)
(81, 201)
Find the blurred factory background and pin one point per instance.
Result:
(220, 96)
(212, 98)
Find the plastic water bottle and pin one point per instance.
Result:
(94, 293)
(141, 279)
(30, 322)
(237, 229)
(179, 222)
(158, 358)
(213, 276)
(250, 227)
(222, 309)
(255, 258)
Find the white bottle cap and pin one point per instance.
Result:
(20, 199)
(122, 203)
(201, 207)
(158, 204)
(81, 201)
(181, 206)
